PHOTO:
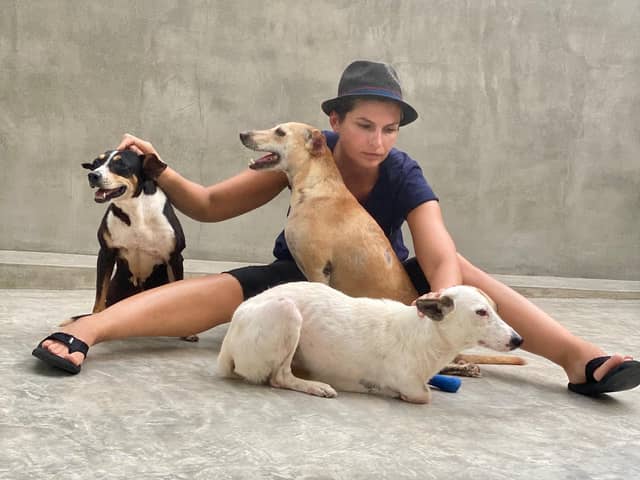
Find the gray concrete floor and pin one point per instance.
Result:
(154, 408)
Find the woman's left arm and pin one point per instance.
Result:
(434, 247)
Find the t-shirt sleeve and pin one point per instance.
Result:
(414, 189)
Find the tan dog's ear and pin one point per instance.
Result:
(435, 308)
(315, 141)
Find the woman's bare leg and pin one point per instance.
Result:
(177, 309)
(542, 334)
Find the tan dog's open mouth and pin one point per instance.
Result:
(266, 161)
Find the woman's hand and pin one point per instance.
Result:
(153, 165)
(427, 295)
(141, 147)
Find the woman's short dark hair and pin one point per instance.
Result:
(346, 104)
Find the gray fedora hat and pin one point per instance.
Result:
(363, 78)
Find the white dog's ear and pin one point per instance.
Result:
(435, 308)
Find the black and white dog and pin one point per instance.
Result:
(140, 233)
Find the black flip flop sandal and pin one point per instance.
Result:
(625, 377)
(74, 344)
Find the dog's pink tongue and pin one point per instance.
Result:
(101, 194)
(263, 161)
(265, 158)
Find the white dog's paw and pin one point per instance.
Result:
(320, 389)
(417, 397)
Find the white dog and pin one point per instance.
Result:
(356, 344)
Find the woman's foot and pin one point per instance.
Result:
(577, 373)
(68, 347)
(604, 374)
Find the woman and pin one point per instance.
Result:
(365, 118)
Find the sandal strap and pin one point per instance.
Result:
(592, 365)
(73, 344)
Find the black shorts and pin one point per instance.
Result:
(258, 278)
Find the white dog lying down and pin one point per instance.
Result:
(356, 344)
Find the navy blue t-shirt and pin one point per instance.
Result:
(400, 188)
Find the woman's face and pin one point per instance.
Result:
(368, 131)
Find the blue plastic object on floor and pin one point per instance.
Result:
(446, 383)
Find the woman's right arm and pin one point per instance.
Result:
(227, 199)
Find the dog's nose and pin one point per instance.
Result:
(516, 341)
(94, 178)
(244, 136)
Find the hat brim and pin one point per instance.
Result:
(409, 114)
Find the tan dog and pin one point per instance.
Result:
(332, 238)
(356, 344)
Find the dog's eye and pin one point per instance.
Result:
(280, 132)
(482, 312)
(121, 168)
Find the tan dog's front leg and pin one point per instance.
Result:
(462, 370)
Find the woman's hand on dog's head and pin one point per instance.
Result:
(152, 163)
(427, 295)
(141, 147)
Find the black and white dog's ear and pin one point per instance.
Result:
(152, 166)
(435, 308)
(96, 162)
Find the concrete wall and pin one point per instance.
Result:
(529, 127)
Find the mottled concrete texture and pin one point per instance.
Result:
(154, 408)
(529, 127)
